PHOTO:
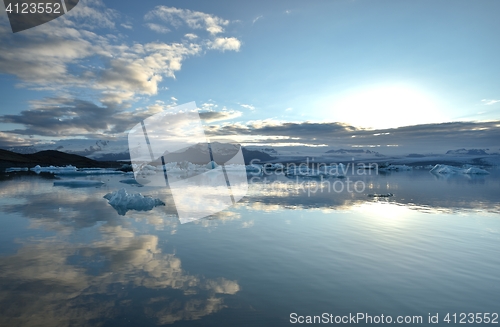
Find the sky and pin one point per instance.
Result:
(416, 76)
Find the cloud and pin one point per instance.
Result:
(489, 102)
(428, 137)
(208, 106)
(63, 117)
(66, 54)
(91, 14)
(248, 106)
(194, 19)
(256, 19)
(46, 59)
(225, 43)
(191, 36)
(173, 98)
(127, 26)
(212, 116)
(8, 140)
(158, 28)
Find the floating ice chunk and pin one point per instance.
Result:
(12, 169)
(396, 168)
(122, 201)
(212, 165)
(78, 183)
(299, 170)
(386, 195)
(445, 169)
(52, 169)
(273, 166)
(475, 170)
(100, 171)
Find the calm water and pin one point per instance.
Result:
(67, 258)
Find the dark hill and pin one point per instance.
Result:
(50, 157)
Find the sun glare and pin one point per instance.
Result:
(383, 212)
(386, 107)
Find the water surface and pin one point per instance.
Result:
(67, 258)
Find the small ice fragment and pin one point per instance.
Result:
(12, 169)
(212, 165)
(387, 195)
(468, 169)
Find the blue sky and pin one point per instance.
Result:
(260, 67)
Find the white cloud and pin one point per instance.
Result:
(66, 57)
(158, 28)
(91, 14)
(191, 36)
(489, 102)
(173, 99)
(288, 109)
(8, 139)
(257, 18)
(208, 106)
(212, 116)
(194, 19)
(288, 12)
(225, 43)
(248, 106)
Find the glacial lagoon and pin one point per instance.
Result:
(68, 258)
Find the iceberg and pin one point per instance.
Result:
(396, 168)
(53, 169)
(273, 166)
(386, 195)
(445, 169)
(72, 170)
(12, 169)
(145, 170)
(100, 171)
(78, 183)
(211, 165)
(122, 202)
(475, 170)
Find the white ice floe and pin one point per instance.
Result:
(445, 169)
(100, 171)
(12, 169)
(273, 166)
(475, 170)
(146, 170)
(73, 171)
(211, 165)
(122, 201)
(375, 195)
(53, 169)
(396, 168)
(78, 183)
